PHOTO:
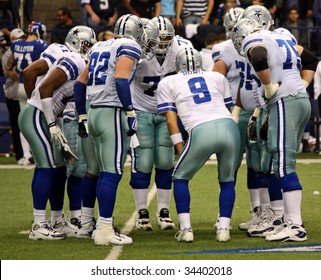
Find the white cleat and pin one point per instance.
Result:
(106, 234)
(185, 235)
(43, 231)
(223, 234)
(164, 221)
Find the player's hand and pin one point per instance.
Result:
(68, 155)
(56, 134)
(264, 129)
(83, 126)
(132, 123)
(270, 90)
(251, 129)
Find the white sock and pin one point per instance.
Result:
(75, 213)
(87, 215)
(223, 222)
(292, 201)
(56, 216)
(163, 199)
(184, 221)
(39, 215)
(264, 198)
(140, 196)
(254, 198)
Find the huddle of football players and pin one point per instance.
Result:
(144, 92)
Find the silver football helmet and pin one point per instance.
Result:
(241, 29)
(166, 35)
(80, 39)
(129, 26)
(231, 17)
(149, 39)
(260, 14)
(188, 59)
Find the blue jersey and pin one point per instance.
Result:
(26, 52)
(103, 8)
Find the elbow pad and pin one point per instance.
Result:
(258, 59)
(308, 60)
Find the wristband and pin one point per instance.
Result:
(176, 138)
(47, 109)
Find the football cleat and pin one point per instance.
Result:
(142, 220)
(290, 232)
(43, 231)
(76, 222)
(106, 234)
(87, 229)
(223, 234)
(264, 216)
(253, 220)
(63, 226)
(185, 235)
(164, 221)
(269, 227)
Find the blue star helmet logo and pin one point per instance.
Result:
(257, 14)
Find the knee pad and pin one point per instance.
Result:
(163, 178)
(290, 182)
(140, 180)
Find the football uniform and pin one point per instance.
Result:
(106, 117)
(200, 100)
(32, 121)
(286, 126)
(225, 51)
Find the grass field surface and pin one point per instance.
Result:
(16, 219)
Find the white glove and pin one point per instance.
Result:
(236, 113)
(56, 134)
(270, 90)
(68, 155)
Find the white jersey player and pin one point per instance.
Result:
(38, 124)
(155, 149)
(200, 99)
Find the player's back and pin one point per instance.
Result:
(199, 96)
(101, 87)
(226, 52)
(26, 52)
(283, 59)
(72, 64)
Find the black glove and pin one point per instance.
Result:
(251, 129)
(83, 126)
(264, 128)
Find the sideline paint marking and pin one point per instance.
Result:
(116, 250)
(304, 248)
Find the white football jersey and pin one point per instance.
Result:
(51, 54)
(225, 51)
(101, 87)
(196, 96)
(283, 59)
(150, 72)
(72, 64)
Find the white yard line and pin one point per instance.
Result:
(116, 250)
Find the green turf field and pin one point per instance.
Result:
(16, 219)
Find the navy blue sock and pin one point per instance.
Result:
(227, 199)
(89, 188)
(106, 193)
(58, 190)
(182, 196)
(74, 192)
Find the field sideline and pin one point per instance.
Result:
(16, 205)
